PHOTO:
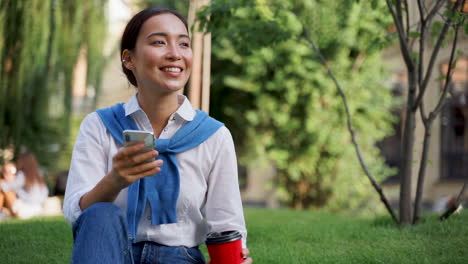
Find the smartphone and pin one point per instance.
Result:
(131, 137)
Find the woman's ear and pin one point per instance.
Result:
(127, 59)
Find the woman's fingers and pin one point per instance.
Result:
(245, 253)
(127, 176)
(147, 173)
(130, 164)
(247, 260)
(130, 156)
(141, 169)
(128, 151)
(142, 157)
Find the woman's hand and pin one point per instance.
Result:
(129, 165)
(245, 254)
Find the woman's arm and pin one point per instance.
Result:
(14, 185)
(89, 180)
(223, 208)
(126, 169)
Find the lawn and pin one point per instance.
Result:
(279, 236)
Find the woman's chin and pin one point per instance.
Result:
(173, 89)
(163, 88)
(174, 86)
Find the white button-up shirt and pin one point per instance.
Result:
(209, 198)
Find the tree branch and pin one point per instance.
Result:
(399, 14)
(434, 55)
(460, 195)
(434, 10)
(428, 124)
(422, 112)
(422, 172)
(350, 127)
(407, 19)
(422, 40)
(401, 37)
(448, 77)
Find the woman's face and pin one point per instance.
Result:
(9, 171)
(162, 57)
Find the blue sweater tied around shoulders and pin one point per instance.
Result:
(162, 189)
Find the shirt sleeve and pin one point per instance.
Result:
(88, 164)
(223, 208)
(16, 184)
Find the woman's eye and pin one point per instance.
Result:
(158, 42)
(185, 44)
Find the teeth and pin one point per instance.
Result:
(172, 69)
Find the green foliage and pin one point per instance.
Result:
(39, 46)
(281, 106)
(179, 5)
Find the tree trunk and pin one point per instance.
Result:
(407, 152)
(422, 172)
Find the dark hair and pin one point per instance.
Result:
(27, 162)
(132, 30)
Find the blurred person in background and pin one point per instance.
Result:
(8, 173)
(25, 194)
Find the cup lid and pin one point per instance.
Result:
(214, 238)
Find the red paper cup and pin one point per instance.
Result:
(225, 247)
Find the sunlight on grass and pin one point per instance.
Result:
(279, 236)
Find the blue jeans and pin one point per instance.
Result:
(100, 236)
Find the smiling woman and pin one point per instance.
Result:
(127, 210)
(143, 39)
(162, 57)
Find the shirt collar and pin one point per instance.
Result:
(132, 106)
(185, 110)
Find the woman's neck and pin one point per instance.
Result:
(158, 108)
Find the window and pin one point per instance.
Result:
(390, 147)
(454, 122)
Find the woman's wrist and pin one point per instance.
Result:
(105, 191)
(114, 182)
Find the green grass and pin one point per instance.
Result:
(39, 240)
(316, 237)
(279, 236)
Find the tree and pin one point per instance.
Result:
(271, 91)
(452, 19)
(436, 18)
(39, 44)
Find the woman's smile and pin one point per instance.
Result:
(162, 58)
(173, 71)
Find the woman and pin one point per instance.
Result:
(8, 173)
(25, 194)
(126, 210)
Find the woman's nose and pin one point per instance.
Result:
(173, 53)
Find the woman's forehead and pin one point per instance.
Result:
(10, 167)
(163, 23)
